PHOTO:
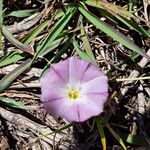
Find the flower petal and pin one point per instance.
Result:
(98, 99)
(82, 71)
(96, 85)
(80, 112)
(61, 69)
(56, 107)
(52, 84)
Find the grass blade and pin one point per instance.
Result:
(12, 103)
(82, 54)
(54, 45)
(55, 31)
(87, 46)
(21, 46)
(111, 32)
(30, 37)
(8, 79)
(11, 57)
(22, 13)
(129, 23)
(134, 26)
(110, 8)
(116, 136)
(101, 131)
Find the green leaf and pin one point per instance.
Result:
(54, 45)
(63, 11)
(116, 136)
(61, 129)
(23, 13)
(129, 23)
(11, 57)
(86, 43)
(106, 14)
(55, 31)
(134, 26)
(12, 103)
(110, 7)
(21, 46)
(81, 53)
(101, 131)
(117, 36)
(57, 57)
(55, 131)
(30, 37)
(8, 79)
(57, 28)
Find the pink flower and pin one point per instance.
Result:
(74, 89)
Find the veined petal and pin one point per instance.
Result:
(95, 85)
(98, 99)
(53, 106)
(61, 69)
(51, 88)
(82, 71)
(84, 108)
(80, 112)
(54, 81)
(56, 107)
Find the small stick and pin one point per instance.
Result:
(128, 79)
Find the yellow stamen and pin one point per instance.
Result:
(73, 94)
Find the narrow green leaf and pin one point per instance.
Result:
(110, 7)
(61, 12)
(55, 31)
(86, 43)
(30, 37)
(12, 103)
(57, 57)
(116, 136)
(117, 36)
(134, 26)
(8, 79)
(11, 57)
(108, 15)
(21, 46)
(55, 131)
(128, 22)
(81, 53)
(22, 13)
(61, 129)
(54, 45)
(101, 131)
(57, 28)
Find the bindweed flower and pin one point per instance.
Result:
(74, 89)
